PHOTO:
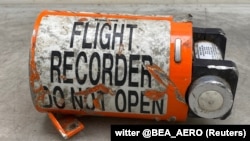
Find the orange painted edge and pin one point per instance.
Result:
(64, 133)
(180, 73)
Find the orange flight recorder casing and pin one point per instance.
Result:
(113, 65)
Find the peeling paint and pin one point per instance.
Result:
(172, 119)
(63, 77)
(154, 94)
(164, 80)
(37, 85)
(179, 97)
(158, 74)
(99, 87)
(97, 103)
(72, 126)
(124, 46)
(82, 19)
(121, 49)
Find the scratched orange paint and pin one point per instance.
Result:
(179, 73)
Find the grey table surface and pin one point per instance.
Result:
(20, 121)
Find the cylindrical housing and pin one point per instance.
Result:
(116, 65)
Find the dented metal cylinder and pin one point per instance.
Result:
(210, 97)
(111, 65)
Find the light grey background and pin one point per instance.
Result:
(126, 1)
(20, 121)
